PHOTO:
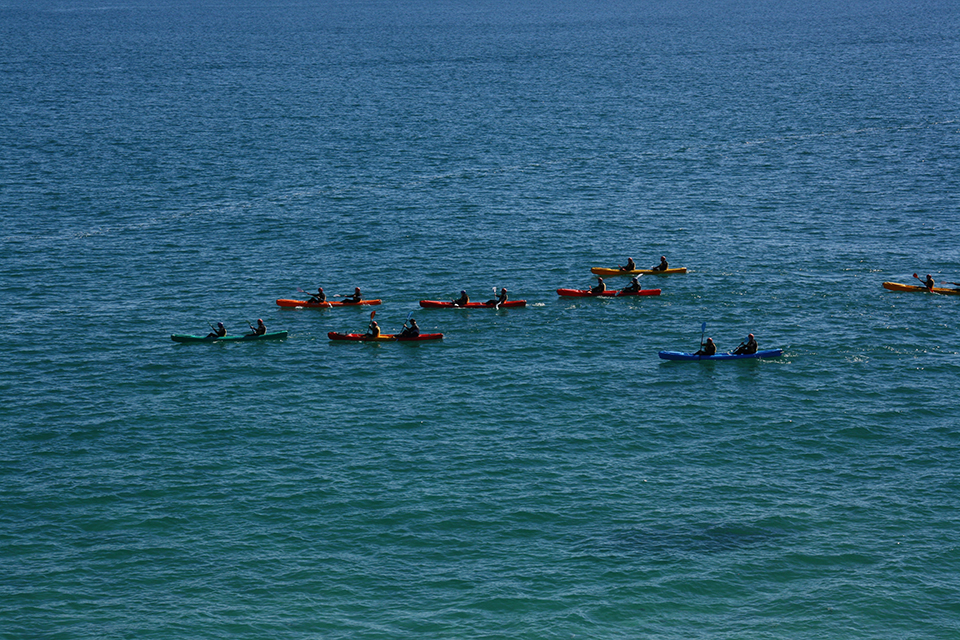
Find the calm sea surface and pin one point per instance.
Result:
(540, 473)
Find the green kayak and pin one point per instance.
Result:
(276, 335)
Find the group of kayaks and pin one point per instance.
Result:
(464, 303)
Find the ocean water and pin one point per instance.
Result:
(540, 473)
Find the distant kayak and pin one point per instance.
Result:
(896, 286)
(282, 302)
(275, 335)
(602, 271)
(611, 293)
(680, 355)
(437, 304)
(383, 337)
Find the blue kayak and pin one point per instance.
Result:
(276, 335)
(680, 355)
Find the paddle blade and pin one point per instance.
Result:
(373, 313)
(703, 327)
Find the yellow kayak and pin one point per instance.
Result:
(601, 271)
(896, 286)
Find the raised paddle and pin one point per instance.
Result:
(921, 280)
(703, 330)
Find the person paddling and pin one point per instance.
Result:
(258, 330)
(462, 300)
(373, 330)
(599, 288)
(708, 349)
(929, 282)
(663, 266)
(319, 296)
(219, 332)
(633, 287)
(353, 299)
(748, 347)
(630, 266)
(500, 299)
(410, 332)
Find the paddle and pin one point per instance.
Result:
(496, 306)
(703, 330)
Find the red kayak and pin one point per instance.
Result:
(383, 337)
(436, 304)
(282, 302)
(585, 293)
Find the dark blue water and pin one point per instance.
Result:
(540, 473)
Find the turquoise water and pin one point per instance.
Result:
(540, 473)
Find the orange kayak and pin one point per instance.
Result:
(896, 286)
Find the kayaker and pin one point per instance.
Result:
(355, 298)
(373, 329)
(708, 349)
(462, 300)
(500, 299)
(319, 296)
(410, 332)
(600, 287)
(630, 266)
(747, 347)
(633, 287)
(929, 282)
(219, 332)
(663, 266)
(258, 330)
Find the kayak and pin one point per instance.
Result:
(436, 304)
(322, 305)
(276, 335)
(383, 337)
(680, 355)
(602, 271)
(896, 286)
(585, 293)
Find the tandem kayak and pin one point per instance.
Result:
(275, 335)
(602, 271)
(282, 302)
(383, 337)
(436, 304)
(896, 286)
(585, 293)
(680, 355)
